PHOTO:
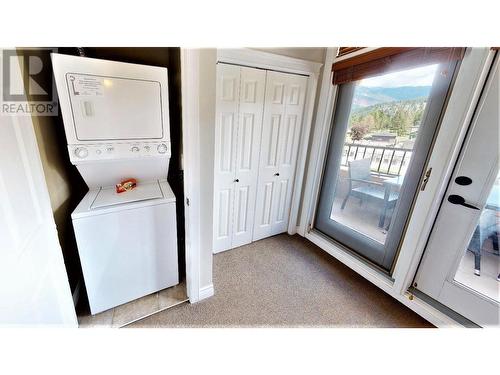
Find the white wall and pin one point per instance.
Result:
(34, 289)
(208, 59)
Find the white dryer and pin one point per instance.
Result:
(116, 122)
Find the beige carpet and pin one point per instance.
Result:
(286, 281)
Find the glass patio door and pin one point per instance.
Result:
(382, 130)
(461, 265)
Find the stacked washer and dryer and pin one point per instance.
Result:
(116, 120)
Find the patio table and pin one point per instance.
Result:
(487, 228)
(389, 184)
(493, 202)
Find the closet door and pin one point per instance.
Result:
(283, 109)
(288, 148)
(251, 107)
(227, 100)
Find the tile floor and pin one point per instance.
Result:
(137, 309)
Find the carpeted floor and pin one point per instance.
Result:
(286, 281)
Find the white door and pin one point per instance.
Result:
(226, 122)
(34, 288)
(251, 107)
(461, 266)
(283, 110)
(240, 100)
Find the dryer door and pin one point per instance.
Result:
(106, 108)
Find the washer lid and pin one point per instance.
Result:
(144, 191)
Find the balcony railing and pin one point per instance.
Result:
(389, 161)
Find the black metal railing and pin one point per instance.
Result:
(390, 161)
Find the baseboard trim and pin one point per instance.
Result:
(206, 292)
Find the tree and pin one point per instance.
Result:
(417, 119)
(399, 123)
(380, 119)
(358, 131)
(396, 117)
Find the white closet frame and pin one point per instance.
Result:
(269, 61)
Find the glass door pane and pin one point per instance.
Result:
(479, 268)
(381, 135)
(460, 265)
(384, 122)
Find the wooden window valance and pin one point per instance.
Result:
(385, 60)
(345, 50)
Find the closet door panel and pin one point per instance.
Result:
(272, 127)
(251, 106)
(283, 108)
(226, 133)
(294, 98)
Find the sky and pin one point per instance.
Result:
(422, 76)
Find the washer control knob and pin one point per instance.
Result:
(81, 152)
(98, 152)
(162, 148)
(134, 149)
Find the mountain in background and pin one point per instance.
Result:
(368, 96)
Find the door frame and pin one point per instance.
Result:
(439, 266)
(460, 107)
(190, 80)
(198, 82)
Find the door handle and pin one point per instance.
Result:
(237, 180)
(276, 174)
(457, 199)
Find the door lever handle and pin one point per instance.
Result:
(276, 174)
(457, 199)
(237, 180)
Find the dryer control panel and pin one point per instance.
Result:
(111, 151)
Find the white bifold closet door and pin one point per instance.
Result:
(283, 110)
(240, 102)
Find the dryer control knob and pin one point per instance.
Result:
(162, 148)
(81, 152)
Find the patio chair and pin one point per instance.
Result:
(487, 229)
(362, 186)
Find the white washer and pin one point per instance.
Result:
(117, 126)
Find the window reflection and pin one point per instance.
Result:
(479, 268)
(384, 122)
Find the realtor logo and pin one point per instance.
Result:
(27, 82)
